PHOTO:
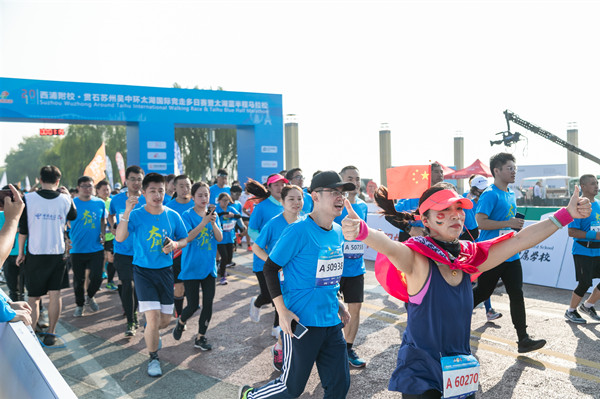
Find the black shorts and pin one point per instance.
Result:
(124, 266)
(44, 273)
(109, 246)
(587, 268)
(177, 269)
(353, 289)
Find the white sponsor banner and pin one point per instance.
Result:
(378, 222)
(157, 155)
(157, 145)
(157, 166)
(268, 164)
(268, 149)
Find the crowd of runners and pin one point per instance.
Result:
(164, 243)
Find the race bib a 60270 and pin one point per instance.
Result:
(460, 376)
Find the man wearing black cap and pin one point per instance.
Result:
(310, 252)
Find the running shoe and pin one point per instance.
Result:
(131, 330)
(202, 343)
(589, 311)
(111, 287)
(277, 358)
(254, 311)
(223, 281)
(354, 360)
(244, 391)
(135, 320)
(574, 317)
(232, 264)
(91, 302)
(493, 315)
(249, 248)
(527, 344)
(178, 330)
(104, 275)
(78, 311)
(154, 369)
(238, 239)
(49, 339)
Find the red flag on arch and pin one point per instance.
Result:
(408, 181)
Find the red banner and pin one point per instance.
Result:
(408, 181)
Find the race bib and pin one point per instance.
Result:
(354, 249)
(460, 375)
(228, 226)
(504, 231)
(595, 227)
(329, 266)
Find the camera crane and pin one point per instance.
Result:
(512, 117)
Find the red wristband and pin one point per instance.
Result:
(563, 216)
(363, 232)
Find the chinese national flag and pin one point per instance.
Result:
(408, 181)
(95, 169)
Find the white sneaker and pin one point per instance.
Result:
(254, 311)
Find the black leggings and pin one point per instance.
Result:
(124, 266)
(226, 253)
(431, 394)
(511, 274)
(192, 294)
(15, 280)
(264, 297)
(82, 261)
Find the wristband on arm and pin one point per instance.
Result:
(363, 231)
(590, 235)
(563, 217)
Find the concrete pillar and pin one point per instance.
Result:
(572, 158)
(385, 152)
(292, 159)
(459, 160)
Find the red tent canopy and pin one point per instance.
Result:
(476, 168)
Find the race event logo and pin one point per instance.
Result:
(4, 98)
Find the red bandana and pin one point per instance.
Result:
(472, 254)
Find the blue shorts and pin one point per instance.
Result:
(154, 288)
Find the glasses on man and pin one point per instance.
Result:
(512, 168)
(334, 193)
(298, 177)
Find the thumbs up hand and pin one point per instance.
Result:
(351, 223)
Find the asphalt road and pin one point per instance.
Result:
(100, 362)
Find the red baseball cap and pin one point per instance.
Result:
(275, 178)
(442, 200)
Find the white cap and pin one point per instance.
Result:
(480, 182)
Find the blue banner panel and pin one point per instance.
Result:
(151, 114)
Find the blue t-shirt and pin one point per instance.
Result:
(6, 312)
(312, 260)
(86, 229)
(270, 234)
(354, 264)
(15, 249)
(148, 232)
(117, 208)
(199, 256)
(308, 203)
(228, 224)
(180, 208)
(215, 190)
(409, 205)
(166, 199)
(498, 205)
(262, 213)
(470, 221)
(591, 222)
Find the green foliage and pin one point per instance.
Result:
(195, 152)
(71, 153)
(27, 159)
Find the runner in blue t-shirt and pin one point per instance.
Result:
(199, 266)
(352, 284)
(586, 254)
(294, 176)
(220, 187)
(156, 232)
(87, 245)
(181, 203)
(309, 255)
(268, 207)
(496, 211)
(228, 217)
(292, 198)
(134, 176)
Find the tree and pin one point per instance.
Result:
(77, 148)
(28, 158)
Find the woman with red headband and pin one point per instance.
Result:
(431, 274)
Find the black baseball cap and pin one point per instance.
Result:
(330, 179)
